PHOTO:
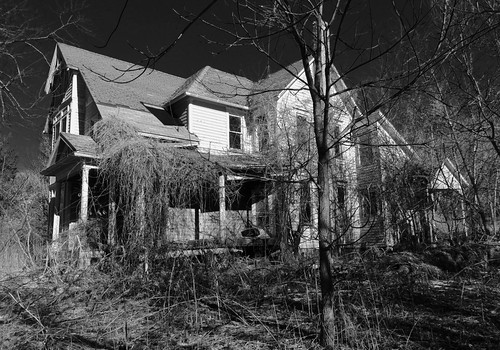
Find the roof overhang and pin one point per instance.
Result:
(206, 99)
(67, 166)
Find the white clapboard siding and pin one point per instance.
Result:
(210, 125)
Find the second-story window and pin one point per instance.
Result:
(61, 123)
(336, 147)
(262, 135)
(303, 133)
(235, 134)
(366, 150)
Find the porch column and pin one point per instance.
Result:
(222, 204)
(55, 196)
(84, 198)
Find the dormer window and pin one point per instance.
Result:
(235, 135)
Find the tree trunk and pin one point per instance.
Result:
(325, 253)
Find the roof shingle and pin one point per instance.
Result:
(213, 84)
(117, 82)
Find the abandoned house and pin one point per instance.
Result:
(256, 138)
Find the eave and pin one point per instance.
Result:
(207, 99)
(68, 165)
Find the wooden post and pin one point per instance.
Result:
(56, 194)
(222, 204)
(84, 198)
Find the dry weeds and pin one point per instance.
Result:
(395, 301)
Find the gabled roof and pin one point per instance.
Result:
(81, 145)
(280, 79)
(215, 85)
(69, 150)
(117, 82)
(121, 93)
(447, 177)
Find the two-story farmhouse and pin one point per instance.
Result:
(259, 133)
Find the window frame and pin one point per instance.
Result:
(366, 151)
(237, 134)
(337, 149)
(302, 131)
(370, 202)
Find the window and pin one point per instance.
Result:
(303, 135)
(336, 146)
(263, 134)
(369, 202)
(235, 135)
(341, 196)
(365, 150)
(305, 204)
(61, 123)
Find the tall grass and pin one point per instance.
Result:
(14, 257)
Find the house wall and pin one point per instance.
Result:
(295, 103)
(369, 180)
(210, 122)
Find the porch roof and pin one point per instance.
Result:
(80, 147)
(240, 163)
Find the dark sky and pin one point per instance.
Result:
(146, 25)
(151, 25)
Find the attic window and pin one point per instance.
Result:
(235, 134)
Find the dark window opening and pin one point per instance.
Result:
(336, 146)
(369, 202)
(366, 150)
(341, 197)
(263, 134)
(305, 204)
(303, 132)
(240, 197)
(235, 132)
(165, 117)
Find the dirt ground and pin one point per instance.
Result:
(386, 301)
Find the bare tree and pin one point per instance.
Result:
(22, 51)
(320, 31)
(396, 56)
